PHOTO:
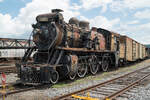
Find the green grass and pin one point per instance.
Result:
(78, 81)
(59, 85)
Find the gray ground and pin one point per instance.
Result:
(143, 93)
(63, 87)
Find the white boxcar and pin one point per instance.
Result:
(12, 53)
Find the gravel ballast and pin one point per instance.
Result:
(143, 93)
(63, 87)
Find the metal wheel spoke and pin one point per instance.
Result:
(93, 65)
(82, 70)
(105, 63)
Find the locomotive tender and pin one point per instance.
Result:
(67, 50)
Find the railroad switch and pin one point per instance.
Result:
(85, 98)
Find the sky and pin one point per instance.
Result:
(126, 17)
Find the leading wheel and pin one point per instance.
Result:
(54, 77)
(93, 65)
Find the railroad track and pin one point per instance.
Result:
(116, 88)
(13, 88)
(8, 84)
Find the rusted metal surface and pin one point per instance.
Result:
(130, 80)
(51, 31)
(130, 49)
(84, 25)
(98, 39)
(81, 49)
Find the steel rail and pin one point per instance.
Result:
(95, 86)
(18, 90)
(118, 93)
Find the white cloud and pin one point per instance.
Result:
(89, 4)
(9, 25)
(133, 22)
(1, 0)
(117, 6)
(101, 22)
(21, 24)
(120, 5)
(43, 6)
(133, 29)
(75, 6)
(139, 32)
(132, 4)
(143, 14)
(144, 31)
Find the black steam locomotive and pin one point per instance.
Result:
(67, 50)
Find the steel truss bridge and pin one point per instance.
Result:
(9, 43)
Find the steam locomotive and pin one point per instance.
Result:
(67, 50)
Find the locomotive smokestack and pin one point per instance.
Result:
(56, 10)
